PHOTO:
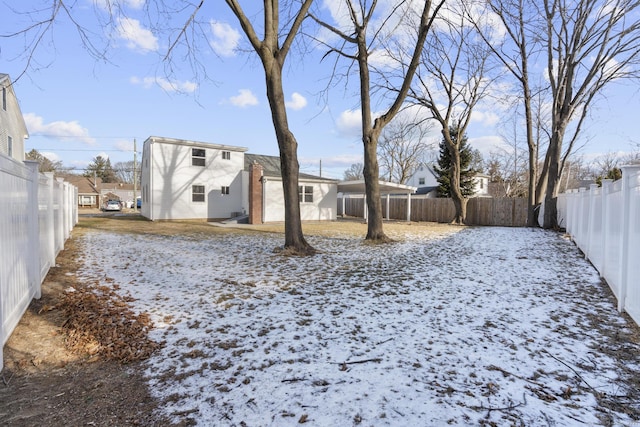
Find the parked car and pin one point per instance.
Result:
(112, 205)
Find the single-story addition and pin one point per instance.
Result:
(183, 179)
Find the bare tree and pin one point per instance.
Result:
(520, 47)
(124, 171)
(403, 146)
(364, 35)
(589, 44)
(454, 77)
(272, 53)
(354, 172)
(186, 42)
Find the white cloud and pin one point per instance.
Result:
(225, 38)
(298, 102)
(124, 145)
(137, 37)
(246, 98)
(486, 118)
(50, 155)
(349, 123)
(108, 4)
(488, 144)
(64, 131)
(166, 85)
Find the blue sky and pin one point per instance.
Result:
(77, 107)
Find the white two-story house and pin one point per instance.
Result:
(183, 179)
(426, 180)
(13, 130)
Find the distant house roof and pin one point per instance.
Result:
(271, 166)
(85, 185)
(426, 190)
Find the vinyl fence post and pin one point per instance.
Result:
(627, 171)
(34, 229)
(408, 207)
(606, 190)
(50, 234)
(593, 188)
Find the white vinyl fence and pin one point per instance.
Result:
(37, 215)
(605, 224)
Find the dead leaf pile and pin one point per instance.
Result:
(100, 322)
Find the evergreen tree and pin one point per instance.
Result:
(101, 168)
(443, 169)
(45, 165)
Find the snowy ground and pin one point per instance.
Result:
(473, 326)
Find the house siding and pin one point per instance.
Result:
(12, 124)
(168, 176)
(323, 208)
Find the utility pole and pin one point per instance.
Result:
(135, 177)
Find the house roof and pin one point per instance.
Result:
(385, 187)
(115, 186)
(271, 167)
(84, 184)
(175, 141)
(426, 190)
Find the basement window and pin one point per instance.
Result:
(305, 194)
(197, 193)
(198, 156)
(224, 190)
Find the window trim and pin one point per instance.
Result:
(200, 158)
(305, 193)
(197, 194)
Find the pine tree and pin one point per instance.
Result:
(101, 168)
(467, 173)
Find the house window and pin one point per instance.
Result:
(226, 155)
(10, 146)
(197, 193)
(420, 181)
(224, 190)
(481, 183)
(197, 156)
(4, 98)
(305, 194)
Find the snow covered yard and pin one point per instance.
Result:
(465, 326)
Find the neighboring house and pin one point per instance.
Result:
(13, 130)
(119, 191)
(88, 193)
(183, 179)
(425, 178)
(318, 196)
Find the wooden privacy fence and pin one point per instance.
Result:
(604, 222)
(37, 215)
(509, 212)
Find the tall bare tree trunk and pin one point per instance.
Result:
(553, 182)
(293, 237)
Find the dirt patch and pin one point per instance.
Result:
(44, 382)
